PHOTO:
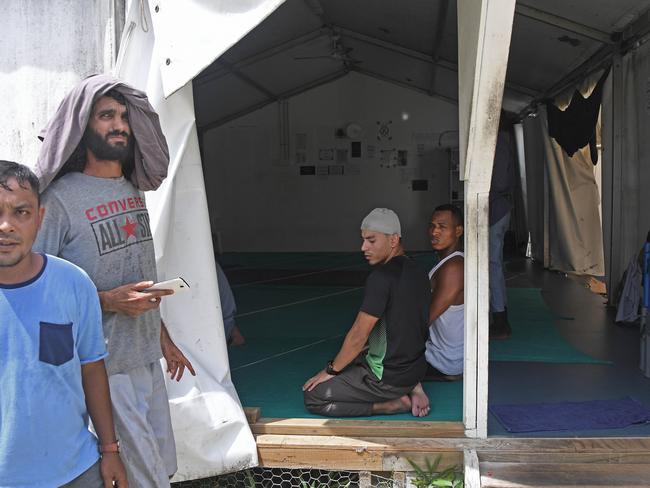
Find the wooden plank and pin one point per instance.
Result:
(252, 414)
(502, 444)
(595, 444)
(608, 457)
(333, 459)
(357, 428)
(377, 444)
(510, 475)
(400, 461)
(472, 470)
(483, 315)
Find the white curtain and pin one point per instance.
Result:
(563, 200)
(210, 428)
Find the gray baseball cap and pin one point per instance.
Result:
(382, 220)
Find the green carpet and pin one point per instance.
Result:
(275, 384)
(535, 337)
(292, 331)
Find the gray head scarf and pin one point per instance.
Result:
(64, 131)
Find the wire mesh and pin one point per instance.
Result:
(289, 478)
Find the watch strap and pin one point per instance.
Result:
(330, 368)
(111, 447)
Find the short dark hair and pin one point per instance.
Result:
(116, 95)
(21, 173)
(456, 212)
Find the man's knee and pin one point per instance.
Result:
(313, 400)
(319, 401)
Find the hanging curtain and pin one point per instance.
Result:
(626, 153)
(574, 230)
(563, 199)
(535, 186)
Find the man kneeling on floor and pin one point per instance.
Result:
(392, 322)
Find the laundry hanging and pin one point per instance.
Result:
(575, 127)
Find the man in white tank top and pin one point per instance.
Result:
(445, 345)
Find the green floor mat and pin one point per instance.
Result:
(254, 299)
(275, 384)
(535, 337)
(292, 331)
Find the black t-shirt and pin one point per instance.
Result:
(398, 293)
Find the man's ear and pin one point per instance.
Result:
(41, 214)
(394, 240)
(459, 230)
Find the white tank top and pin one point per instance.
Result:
(445, 346)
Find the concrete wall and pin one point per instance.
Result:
(259, 201)
(46, 47)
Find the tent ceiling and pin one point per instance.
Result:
(412, 43)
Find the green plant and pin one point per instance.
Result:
(250, 480)
(430, 477)
(318, 484)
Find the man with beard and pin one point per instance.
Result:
(98, 220)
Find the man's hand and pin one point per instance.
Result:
(131, 299)
(314, 381)
(113, 470)
(176, 360)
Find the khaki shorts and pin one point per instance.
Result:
(143, 425)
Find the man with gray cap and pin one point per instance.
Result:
(381, 362)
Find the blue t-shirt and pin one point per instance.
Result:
(49, 326)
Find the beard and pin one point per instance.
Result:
(105, 151)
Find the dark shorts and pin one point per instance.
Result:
(352, 393)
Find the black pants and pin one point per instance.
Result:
(352, 393)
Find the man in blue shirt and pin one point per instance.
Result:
(52, 349)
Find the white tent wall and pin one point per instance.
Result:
(626, 178)
(247, 179)
(44, 53)
(212, 434)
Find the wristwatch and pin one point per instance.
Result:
(112, 447)
(330, 368)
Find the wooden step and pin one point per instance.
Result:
(563, 475)
(358, 428)
(347, 453)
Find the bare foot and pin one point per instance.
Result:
(399, 405)
(419, 401)
(236, 337)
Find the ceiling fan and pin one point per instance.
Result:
(337, 52)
